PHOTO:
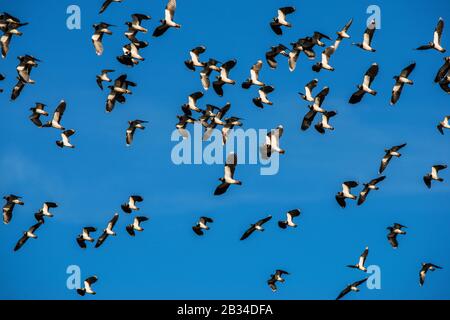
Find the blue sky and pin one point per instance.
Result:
(167, 260)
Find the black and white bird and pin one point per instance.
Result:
(394, 231)
(85, 236)
(100, 29)
(27, 235)
(210, 66)
(223, 78)
(444, 124)
(272, 144)
(315, 108)
(361, 261)
(364, 88)
(372, 185)
(309, 87)
(346, 193)
(258, 226)
(273, 53)
(324, 123)
(37, 112)
(289, 222)
(436, 43)
(135, 26)
(195, 58)
(400, 81)
(55, 122)
(280, 20)
(8, 208)
(229, 124)
(24, 68)
(445, 84)
(263, 99)
(136, 225)
(181, 126)
(106, 4)
(132, 126)
(325, 62)
(201, 225)
(368, 37)
(228, 177)
(351, 287)
(88, 286)
(108, 231)
(424, 269)
(254, 76)
(389, 153)
(103, 77)
(10, 26)
(118, 90)
(17, 89)
(65, 139)
(443, 71)
(168, 22)
(277, 277)
(192, 102)
(434, 175)
(45, 210)
(342, 34)
(131, 204)
(216, 119)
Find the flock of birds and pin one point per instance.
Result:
(211, 117)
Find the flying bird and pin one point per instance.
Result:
(10, 26)
(263, 99)
(372, 185)
(443, 71)
(103, 77)
(205, 73)
(400, 81)
(88, 286)
(277, 277)
(315, 108)
(217, 119)
(367, 38)
(325, 122)
(133, 125)
(100, 29)
(254, 76)
(272, 143)
(181, 126)
(365, 86)
(195, 58)
(436, 43)
(45, 210)
(444, 124)
(37, 112)
(423, 271)
(223, 78)
(361, 261)
(65, 142)
(55, 122)
(351, 287)
(202, 225)
(168, 19)
(192, 102)
(280, 20)
(228, 178)
(135, 26)
(325, 62)
(394, 231)
(136, 225)
(445, 84)
(108, 231)
(289, 222)
(85, 236)
(346, 193)
(434, 175)
(27, 235)
(131, 204)
(389, 153)
(229, 124)
(343, 34)
(273, 53)
(258, 226)
(8, 208)
(106, 4)
(309, 87)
